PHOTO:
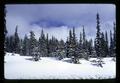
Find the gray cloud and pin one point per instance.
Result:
(68, 14)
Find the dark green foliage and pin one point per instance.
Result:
(98, 38)
(16, 41)
(32, 42)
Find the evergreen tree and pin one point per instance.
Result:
(32, 42)
(84, 38)
(16, 41)
(67, 48)
(106, 43)
(111, 50)
(84, 46)
(7, 44)
(21, 46)
(98, 35)
(48, 48)
(25, 45)
(114, 39)
(11, 46)
(80, 50)
(60, 50)
(43, 44)
(103, 46)
(72, 46)
(5, 33)
(74, 43)
(98, 42)
(90, 47)
(80, 41)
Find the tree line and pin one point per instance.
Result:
(72, 47)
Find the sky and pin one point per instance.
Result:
(58, 19)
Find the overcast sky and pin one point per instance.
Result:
(57, 19)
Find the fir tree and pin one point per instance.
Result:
(48, 48)
(25, 45)
(111, 50)
(106, 43)
(98, 35)
(5, 33)
(98, 43)
(43, 44)
(67, 47)
(114, 39)
(32, 42)
(11, 46)
(16, 41)
(103, 46)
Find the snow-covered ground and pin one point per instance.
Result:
(23, 67)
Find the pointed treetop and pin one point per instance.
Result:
(16, 28)
(97, 15)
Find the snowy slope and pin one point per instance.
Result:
(22, 67)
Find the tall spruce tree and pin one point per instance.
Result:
(21, 46)
(5, 33)
(32, 42)
(98, 36)
(80, 50)
(114, 39)
(16, 41)
(90, 47)
(70, 48)
(43, 44)
(48, 48)
(25, 45)
(84, 39)
(74, 43)
(111, 49)
(106, 43)
(84, 46)
(103, 46)
(67, 48)
(11, 46)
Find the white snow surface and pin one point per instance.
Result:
(23, 67)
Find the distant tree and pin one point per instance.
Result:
(44, 44)
(5, 33)
(106, 45)
(98, 41)
(25, 45)
(21, 46)
(90, 47)
(47, 46)
(85, 45)
(84, 38)
(80, 50)
(98, 36)
(67, 47)
(103, 46)
(114, 39)
(11, 42)
(32, 42)
(111, 49)
(61, 50)
(16, 41)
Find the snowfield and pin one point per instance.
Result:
(23, 67)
